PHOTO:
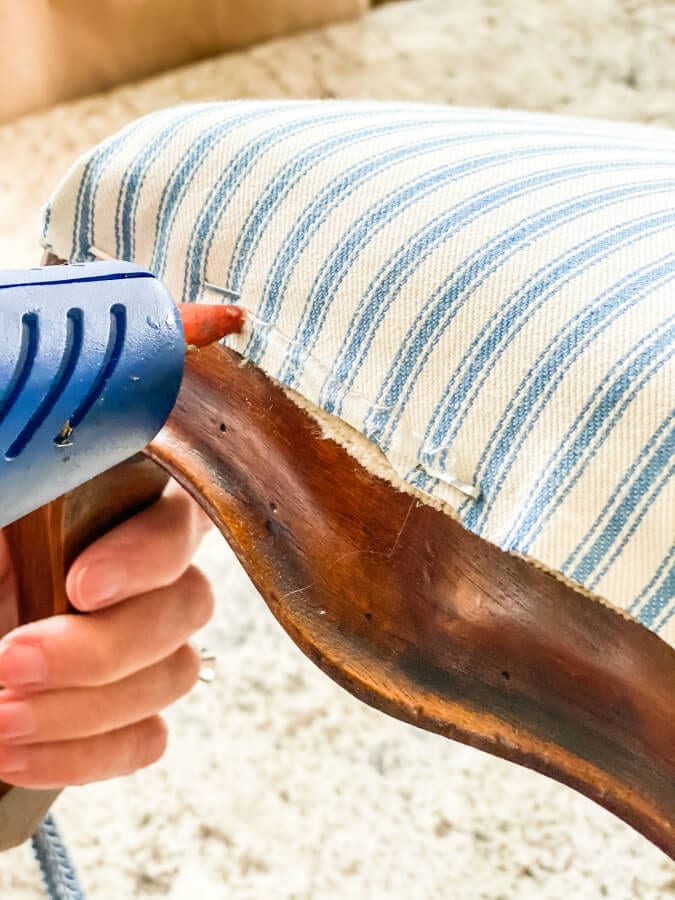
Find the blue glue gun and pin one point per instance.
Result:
(91, 361)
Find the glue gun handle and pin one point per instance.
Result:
(43, 545)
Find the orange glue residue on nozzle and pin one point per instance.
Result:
(206, 324)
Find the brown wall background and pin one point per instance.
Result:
(54, 50)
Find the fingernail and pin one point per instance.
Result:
(17, 720)
(12, 759)
(22, 664)
(98, 585)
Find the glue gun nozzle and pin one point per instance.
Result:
(205, 324)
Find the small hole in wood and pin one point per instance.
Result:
(368, 616)
(223, 427)
(273, 506)
(506, 675)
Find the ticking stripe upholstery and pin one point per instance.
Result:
(487, 296)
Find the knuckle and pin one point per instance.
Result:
(146, 743)
(198, 598)
(190, 665)
(55, 764)
(182, 671)
(155, 742)
(99, 658)
(77, 648)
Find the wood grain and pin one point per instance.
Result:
(415, 615)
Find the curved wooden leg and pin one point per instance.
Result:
(415, 615)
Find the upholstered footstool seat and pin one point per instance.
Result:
(478, 304)
(486, 296)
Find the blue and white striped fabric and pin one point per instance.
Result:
(486, 296)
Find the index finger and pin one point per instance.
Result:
(149, 551)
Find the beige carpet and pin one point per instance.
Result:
(277, 784)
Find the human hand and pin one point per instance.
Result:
(82, 693)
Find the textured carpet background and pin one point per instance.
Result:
(277, 784)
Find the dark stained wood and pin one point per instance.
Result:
(44, 543)
(396, 601)
(415, 615)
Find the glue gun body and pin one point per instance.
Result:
(91, 361)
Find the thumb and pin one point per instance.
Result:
(8, 599)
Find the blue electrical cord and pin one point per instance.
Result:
(58, 873)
